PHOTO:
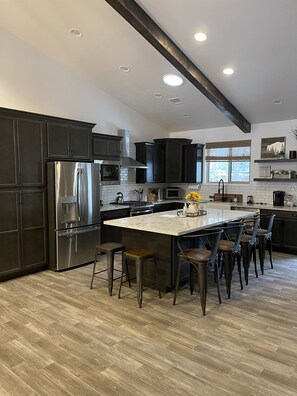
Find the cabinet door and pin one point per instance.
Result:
(158, 163)
(174, 163)
(34, 231)
(31, 147)
(10, 238)
(58, 143)
(80, 142)
(290, 242)
(193, 156)
(8, 152)
(106, 147)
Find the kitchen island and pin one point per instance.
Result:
(159, 232)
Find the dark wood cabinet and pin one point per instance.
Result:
(284, 230)
(109, 233)
(152, 155)
(163, 207)
(69, 141)
(106, 146)
(174, 158)
(193, 163)
(23, 232)
(22, 152)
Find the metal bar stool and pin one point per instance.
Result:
(139, 256)
(110, 248)
(264, 237)
(248, 245)
(199, 258)
(230, 250)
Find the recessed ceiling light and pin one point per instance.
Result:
(173, 80)
(75, 32)
(185, 115)
(228, 71)
(158, 95)
(124, 69)
(277, 101)
(200, 36)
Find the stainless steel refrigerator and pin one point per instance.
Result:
(73, 213)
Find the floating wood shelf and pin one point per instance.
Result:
(270, 179)
(275, 160)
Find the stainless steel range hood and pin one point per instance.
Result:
(126, 160)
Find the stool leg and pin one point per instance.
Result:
(157, 277)
(254, 253)
(239, 268)
(228, 271)
(245, 262)
(139, 275)
(193, 273)
(261, 252)
(124, 265)
(94, 270)
(110, 264)
(202, 269)
(269, 246)
(177, 279)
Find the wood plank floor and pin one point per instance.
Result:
(58, 337)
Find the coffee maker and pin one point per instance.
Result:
(278, 198)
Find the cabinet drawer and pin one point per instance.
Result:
(115, 214)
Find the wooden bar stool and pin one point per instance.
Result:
(110, 248)
(139, 257)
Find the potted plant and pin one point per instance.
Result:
(193, 199)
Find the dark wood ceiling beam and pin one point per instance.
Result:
(144, 24)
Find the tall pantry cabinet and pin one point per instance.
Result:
(23, 233)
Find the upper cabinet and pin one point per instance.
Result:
(193, 163)
(68, 140)
(152, 155)
(106, 146)
(22, 152)
(174, 155)
(170, 161)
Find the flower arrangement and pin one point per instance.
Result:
(193, 196)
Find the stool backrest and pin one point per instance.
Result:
(270, 223)
(255, 229)
(209, 240)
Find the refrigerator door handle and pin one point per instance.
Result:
(71, 233)
(78, 188)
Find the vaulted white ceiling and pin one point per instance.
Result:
(257, 38)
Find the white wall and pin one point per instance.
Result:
(31, 81)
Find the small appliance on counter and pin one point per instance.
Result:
(288, 201)
(278, 198)
(173, 193)
(250, 199)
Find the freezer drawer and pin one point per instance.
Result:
(76, 246)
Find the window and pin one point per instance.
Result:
(229, 161)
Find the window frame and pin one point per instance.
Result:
(230, 158)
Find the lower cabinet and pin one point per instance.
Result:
(23, 232)
(163, 207)
(284, 230)
(109, 233)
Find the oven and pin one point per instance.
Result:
(138, 208)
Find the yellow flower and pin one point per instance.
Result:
(193, 196)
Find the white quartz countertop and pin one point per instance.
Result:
(170, 224)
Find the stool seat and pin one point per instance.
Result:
(110, 248)
(226, 246)
(198, 255)
(139, 256)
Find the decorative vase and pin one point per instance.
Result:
(192, 207)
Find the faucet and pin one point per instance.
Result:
(221, 190)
